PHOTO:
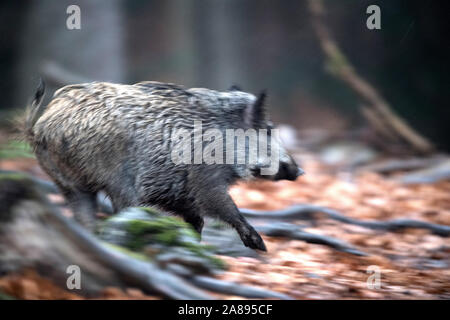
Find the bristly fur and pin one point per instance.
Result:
(34, 109)
(116, 138)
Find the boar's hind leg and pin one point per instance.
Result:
(80, 200)
(84, 206)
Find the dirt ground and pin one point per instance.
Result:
(412, 264)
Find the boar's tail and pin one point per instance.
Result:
(34, 110)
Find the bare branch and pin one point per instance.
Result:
(380, 111)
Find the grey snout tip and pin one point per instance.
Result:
(300, 172)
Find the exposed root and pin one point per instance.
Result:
(292, 231)
(308, 212)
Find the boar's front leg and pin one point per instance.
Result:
(223, 207)
(216, 202)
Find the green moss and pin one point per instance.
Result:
(146, 231)
(164, 230)
(134, 254)
(150, 211)
(169, 232)
(15, 149)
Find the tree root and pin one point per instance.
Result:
(44, 185)
(395, 165)
(231, 288)
(291, 231)
(436, 173)
(307, 212)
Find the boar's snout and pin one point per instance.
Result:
(288, 171)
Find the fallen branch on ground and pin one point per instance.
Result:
(292, 231)
(436, 173)
(44, 185)
(308, 212)
(389, 166)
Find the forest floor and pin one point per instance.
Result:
(412, 264)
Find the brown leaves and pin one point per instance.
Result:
(29, 285)
(413, 263)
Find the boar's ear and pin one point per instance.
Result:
(256, 112)
(235, 87)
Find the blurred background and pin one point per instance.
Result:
(254, 43)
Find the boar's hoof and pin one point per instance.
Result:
(252, 239)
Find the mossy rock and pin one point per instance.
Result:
(164, 239)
